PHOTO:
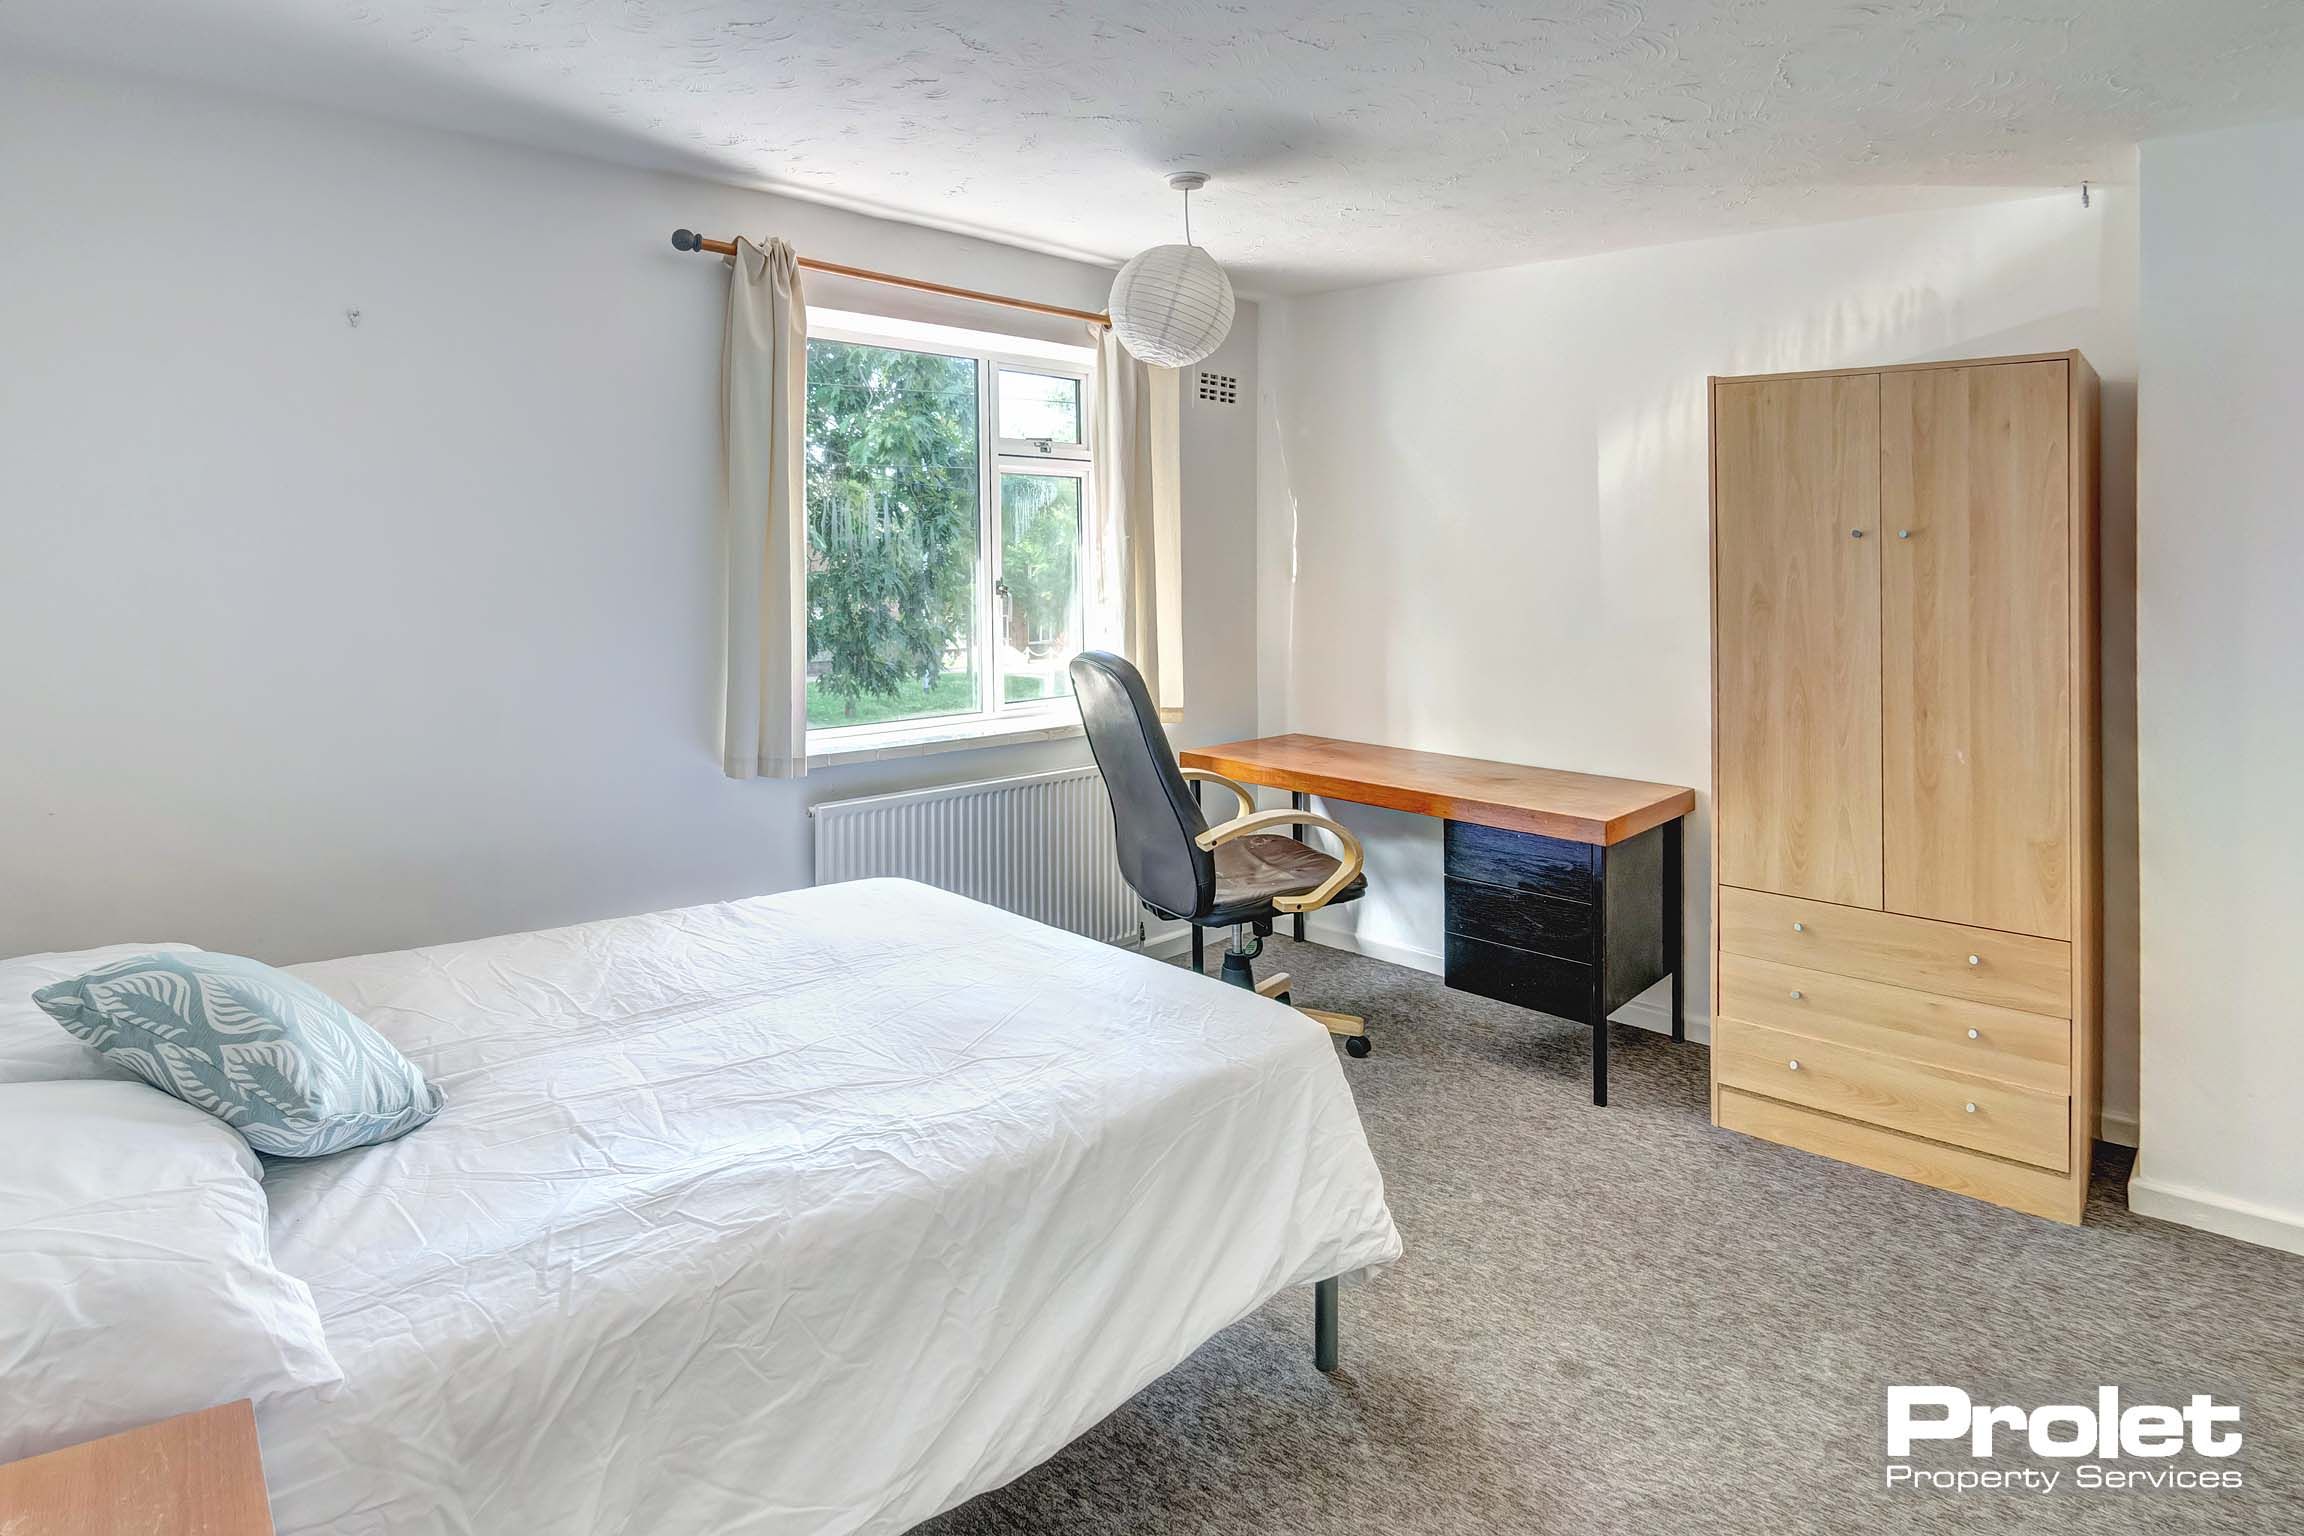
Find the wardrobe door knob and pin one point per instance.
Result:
(1794, 1063)
(1975, 959)
(1855, 533)
(1795, 994)
(1903, 533)
(1975, 1034)
(1969, 1107)
(1799, 927)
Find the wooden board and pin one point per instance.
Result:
(2056, 1196)
(1796, 648)
(195, 1475)
(2087, 763)
(1983, 965)
(1980, 1113)
(1879, 370)
(1580, 807)
(1976, 646)
(2032, 1050)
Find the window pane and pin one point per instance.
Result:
(1039, 405)
(1040, 580)
(892, 520)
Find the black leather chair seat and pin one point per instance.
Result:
(1250, 871)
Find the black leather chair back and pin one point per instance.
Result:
(1152, 806)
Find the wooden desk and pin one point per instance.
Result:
(1564, 890)
(198, 1474)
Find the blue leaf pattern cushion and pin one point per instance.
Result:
(275, 1058)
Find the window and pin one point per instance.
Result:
(947, 487)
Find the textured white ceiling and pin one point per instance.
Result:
(1351, 141)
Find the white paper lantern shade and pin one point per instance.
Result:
(1171, 306)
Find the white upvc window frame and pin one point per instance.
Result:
(1039, 449)
(994, 718)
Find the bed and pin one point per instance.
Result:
(816, 1213)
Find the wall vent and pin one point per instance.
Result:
(1219, 388)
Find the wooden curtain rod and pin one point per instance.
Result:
(689, 240)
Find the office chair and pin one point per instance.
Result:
(1239, 874)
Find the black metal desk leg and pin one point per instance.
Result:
(1600, 978)
(1675, 917)
(1296, 802)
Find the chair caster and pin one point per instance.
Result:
(1357, 1045)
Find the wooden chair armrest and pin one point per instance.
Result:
(1205, 776)
(1260, 821)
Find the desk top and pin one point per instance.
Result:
(1581, 807)
(198, 1474)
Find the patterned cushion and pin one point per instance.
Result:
(275, 1058)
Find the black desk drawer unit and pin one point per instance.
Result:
(1571, 929)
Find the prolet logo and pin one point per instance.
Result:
(2073, 1432)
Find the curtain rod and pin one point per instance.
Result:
(689, 240)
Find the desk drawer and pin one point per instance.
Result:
(1903, 1095)
(1521, 919)
(1520, 861)
(1983, 965)
(1521, 977)
(2028, 1049)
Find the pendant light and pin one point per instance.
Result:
(1172, 305)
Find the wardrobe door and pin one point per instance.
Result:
(1976, 593)
(1796, 596)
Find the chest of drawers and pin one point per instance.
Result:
(1861, 1025)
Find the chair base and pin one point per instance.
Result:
(1239, 971)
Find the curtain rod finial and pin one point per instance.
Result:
(686, 240)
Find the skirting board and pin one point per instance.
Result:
(2221, 1214)
(2115, 1126)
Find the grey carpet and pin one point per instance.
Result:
(1624, 1320)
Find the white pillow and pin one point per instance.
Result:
(136, 1277)
(33, 1047)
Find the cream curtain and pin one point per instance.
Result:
(764, 433)
(1134, 440)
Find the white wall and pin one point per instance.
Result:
(322, 639)
(1482, 504)
(2221, 629)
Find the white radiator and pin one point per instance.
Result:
(1040, 846)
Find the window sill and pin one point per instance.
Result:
(927, 741)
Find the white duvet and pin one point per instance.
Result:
(816, 1213)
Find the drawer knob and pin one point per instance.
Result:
(1794, 1063)
(1975, 959)
(1971, 1108)
(1795, 994)
(1975, 1034)
(1799, 927)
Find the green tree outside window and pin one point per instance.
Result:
(892, 519)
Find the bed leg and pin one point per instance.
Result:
(1324, 1324)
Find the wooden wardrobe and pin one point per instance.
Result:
(1905, 771)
